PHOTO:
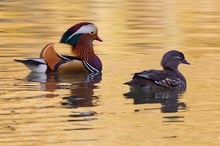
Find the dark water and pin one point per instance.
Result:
(97, 109)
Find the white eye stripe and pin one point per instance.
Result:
(84, 29)
(177, 57)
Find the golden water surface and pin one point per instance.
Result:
(56, 109)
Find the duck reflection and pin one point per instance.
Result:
(167, 98)
(81, 87)
(82, 93)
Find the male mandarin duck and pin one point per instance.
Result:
(168, 78)
(80, 37)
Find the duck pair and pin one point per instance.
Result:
(80, 37)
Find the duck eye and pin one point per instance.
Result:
(91, 32)
(180, 56)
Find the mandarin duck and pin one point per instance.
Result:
(168, 78)
(80, 37)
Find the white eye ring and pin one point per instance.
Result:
(92, 32)
(180, 56)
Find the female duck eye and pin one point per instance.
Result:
(180, 56)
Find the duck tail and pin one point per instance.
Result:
(34, 64)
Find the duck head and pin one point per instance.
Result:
(83, 29)
(172, 59)
(80, 37)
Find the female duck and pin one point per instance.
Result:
(80, 37)
(169, 77)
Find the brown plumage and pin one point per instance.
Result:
(169, 77)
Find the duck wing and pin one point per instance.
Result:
(61, 63)
(160, 77)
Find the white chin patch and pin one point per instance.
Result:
(90, 28)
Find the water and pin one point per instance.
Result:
(59, 109)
